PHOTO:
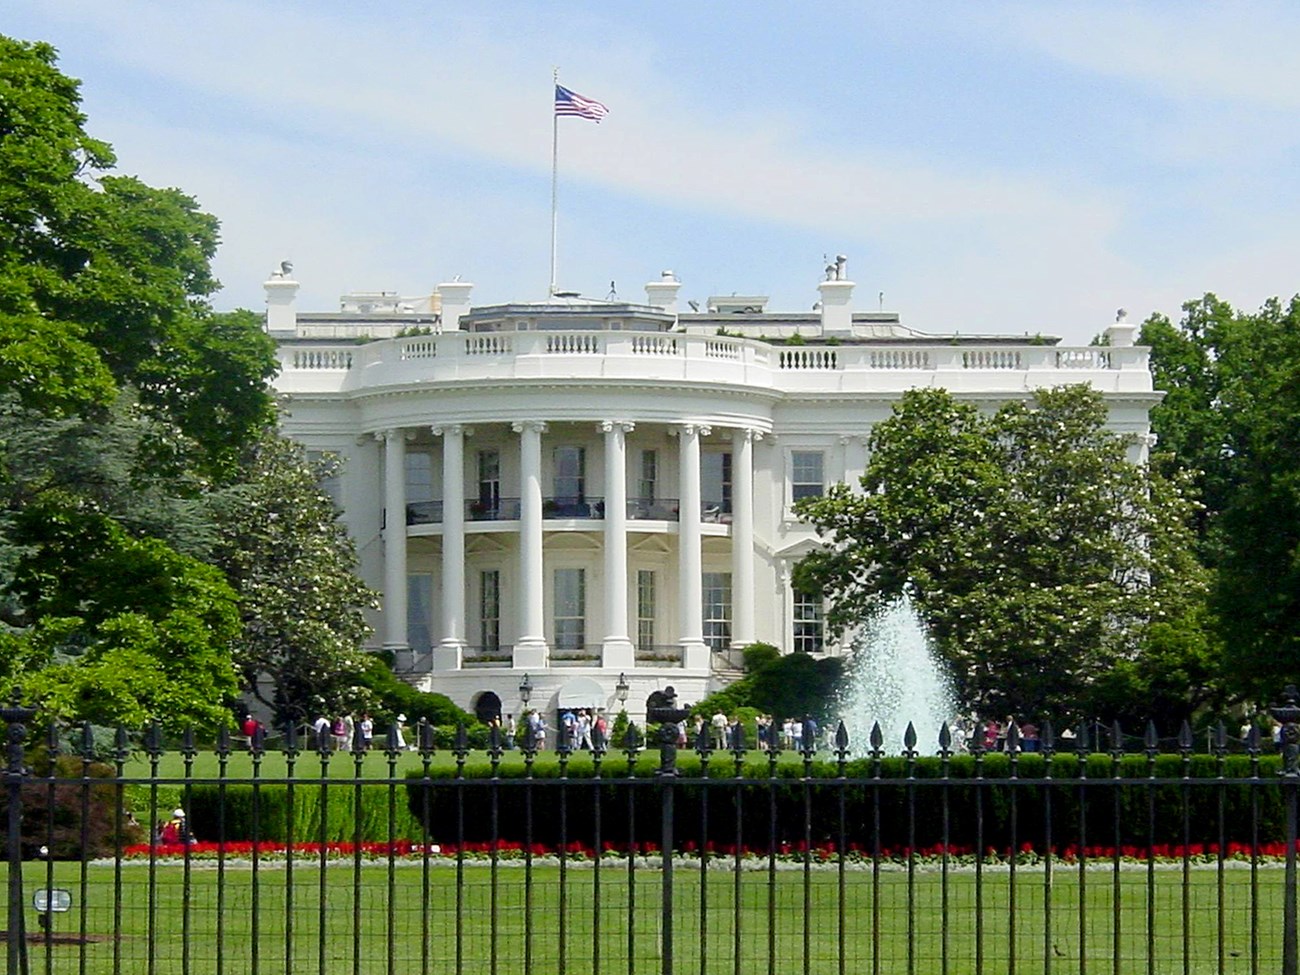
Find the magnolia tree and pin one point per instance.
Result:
(1054, 576)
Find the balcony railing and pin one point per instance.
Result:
(424, 513)
(498, 656)
(583, 507)
(669, 655)
(653, 509)
(497, 509)
(584, 656)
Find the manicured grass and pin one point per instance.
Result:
(378, 919)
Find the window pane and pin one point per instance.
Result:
(715, 480)
(569, 472)
(570, 608)
(809, 623)
(645, 608)
(419, 476)
(490, 609)
(806, 474)
(647, 484)
(419, 597)
(717, 609)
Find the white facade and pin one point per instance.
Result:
(588, 489)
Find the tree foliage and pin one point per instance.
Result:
(1231, 423)
(1039, 558)
(289, 557)
(141, 556)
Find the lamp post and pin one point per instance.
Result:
(525, 690)
(621, 689)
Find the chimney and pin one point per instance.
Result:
(837, 298)
(454, 296)
(281, 290)
(662, 294)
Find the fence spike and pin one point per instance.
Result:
(1221, 738)
(425, 732)
(52, 739)
(395, 743)
(1252, 739)
(631, 740)
(494, 738)
(1116, 738)
(877, 736)
(87, 740)
(223, 741)
(187, 742)
(121, 744)
(1185, 737)
(1081, 738)
(1013, 737)
(1152, 738)
(909, 738)
(1047, 738)
(738, 740)
(462, 738)
(291, 738)
(841, 738)
(704, 741)
(153, 740)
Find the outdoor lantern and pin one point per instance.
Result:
(621, 689)
(525, 689)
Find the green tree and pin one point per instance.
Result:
(1038, 556)
(289, 557)
(104, 280)
(1231, 422)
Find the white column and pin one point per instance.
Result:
(690, 572)
(395, 540)
(742, 536)
(616, 652)
(530, 645)
(448, 654)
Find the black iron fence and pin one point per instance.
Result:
(139, 853)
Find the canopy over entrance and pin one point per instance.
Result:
(581, 692)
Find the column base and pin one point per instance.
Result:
(695, 656)
(531, 655)
(618, 654)
(448, 655)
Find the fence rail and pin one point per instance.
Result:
(415, 857)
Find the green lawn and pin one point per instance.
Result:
(375, 921)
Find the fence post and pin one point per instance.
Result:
(667, 716)
(1288, 713)
(15, 718)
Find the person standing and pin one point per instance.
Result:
(367, 727)
(511, 731)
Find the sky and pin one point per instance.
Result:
(993, 167)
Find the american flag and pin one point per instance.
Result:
(571, 103)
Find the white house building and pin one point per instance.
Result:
(592, 499)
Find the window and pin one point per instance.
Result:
(806, 475)
(809, 622)
(645, 608)
(489, 609)
(647, 483)
(715, 482)
(419, 477)
(717, 610)
(489, 483)
(419, 600)
(570, 468)
(570, 609)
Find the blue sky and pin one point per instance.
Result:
(991, 167)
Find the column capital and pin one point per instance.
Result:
(394, 433)
(452, 429)
(702, 429)
(752, 434)
(608, 426)
(537, 426)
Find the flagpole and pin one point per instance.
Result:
(555, 156)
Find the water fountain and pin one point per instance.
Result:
(894, 676)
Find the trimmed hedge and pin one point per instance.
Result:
(1128, 811)
(758, 809)
(264, 813)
